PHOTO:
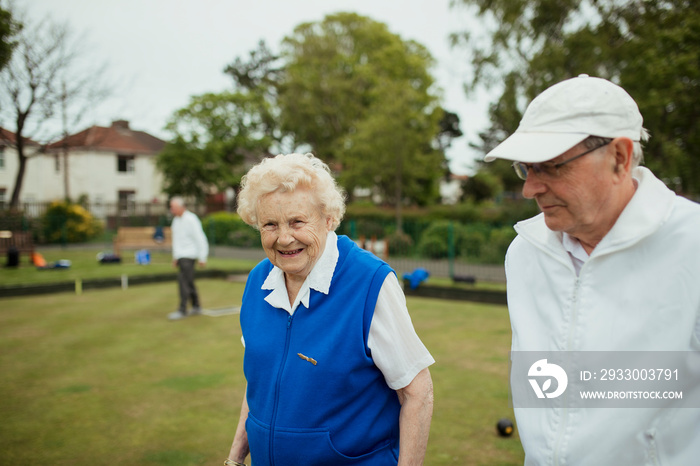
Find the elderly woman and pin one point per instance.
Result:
(336, 373)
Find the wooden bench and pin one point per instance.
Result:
(141, 238)
(22, 240)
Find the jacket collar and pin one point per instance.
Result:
(648, 209)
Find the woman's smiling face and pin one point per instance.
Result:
(293, 230)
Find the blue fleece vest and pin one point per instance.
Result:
(314, 393)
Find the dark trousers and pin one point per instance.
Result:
(185, 281)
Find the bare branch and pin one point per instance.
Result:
(44, 87)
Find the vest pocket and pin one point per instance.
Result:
(310, 447)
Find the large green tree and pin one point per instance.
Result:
(649, 47)
(345, 88)
(363, 99)
(390, 150)
(214, 139)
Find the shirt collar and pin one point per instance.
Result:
(574, 247)
(319, 279)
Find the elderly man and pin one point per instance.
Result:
(189, 247)
(611, 265)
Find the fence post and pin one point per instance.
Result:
(64, 234)
(451, 249)
(212, 232)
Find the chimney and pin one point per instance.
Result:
(122, 124)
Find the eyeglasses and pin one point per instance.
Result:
(548, 169)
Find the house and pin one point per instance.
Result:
(99, 165)
(9, 163)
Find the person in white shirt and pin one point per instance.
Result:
(605, 277)
(190, 246)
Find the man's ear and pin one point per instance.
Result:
(623, 148)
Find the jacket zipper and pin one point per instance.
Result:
(277, 390)
(569, 341)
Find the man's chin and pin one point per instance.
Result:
(553, 221)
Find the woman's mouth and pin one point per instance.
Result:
(290, 253)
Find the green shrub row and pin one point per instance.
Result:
(475, 242)
(474, 232)
(227, 229)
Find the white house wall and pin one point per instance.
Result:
(8, 172)
(40, 182)
(94, 174)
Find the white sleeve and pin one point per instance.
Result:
(200, 239)
(396, 349)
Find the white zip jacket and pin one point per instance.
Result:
(189, 240)
(638, 291)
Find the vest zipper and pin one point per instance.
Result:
(277, 390)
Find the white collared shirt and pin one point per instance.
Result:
(578, 255)
(396, 349)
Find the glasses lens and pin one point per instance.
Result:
(520, 170)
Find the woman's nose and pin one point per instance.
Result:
(285, 235)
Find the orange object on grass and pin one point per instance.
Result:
(38, 260)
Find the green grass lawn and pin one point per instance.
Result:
(479, 285)
(103, 378)
(84, 265)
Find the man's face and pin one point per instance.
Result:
(176, 209)
(575, 200)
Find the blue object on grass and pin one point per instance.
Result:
(62, 264)
(143, 257)
(416, 277)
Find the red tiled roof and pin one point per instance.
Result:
(7, 136)
(117, 138)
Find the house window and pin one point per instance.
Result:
(125, 163)
(57, 163)
(3, 199)
(2, 157)
(127, 202)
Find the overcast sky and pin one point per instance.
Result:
(162, 52)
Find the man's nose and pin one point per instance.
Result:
(533, 185)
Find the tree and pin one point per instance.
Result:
(650, 47)
(449, 130)
(362, 98)
(259, 74)
(8, 30)
(44, 78)
(482, 186)
(390, 150)
(212, 139)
